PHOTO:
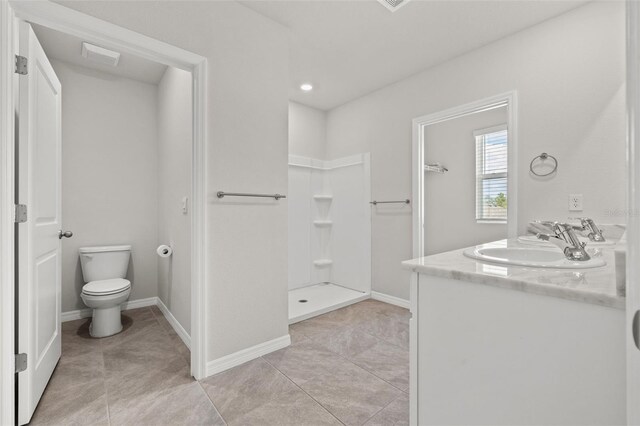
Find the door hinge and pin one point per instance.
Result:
(21, 362)
(21, 213)
(21, 65)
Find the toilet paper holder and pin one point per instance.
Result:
(164, 250)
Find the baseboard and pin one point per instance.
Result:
(390, 299)
(229, 361)
(129, 304)
(177, 327)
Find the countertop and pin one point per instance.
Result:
(595, 286)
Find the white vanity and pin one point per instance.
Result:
(511, 345)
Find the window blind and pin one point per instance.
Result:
(491, 174)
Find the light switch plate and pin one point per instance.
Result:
(575, 202)
(185, 205)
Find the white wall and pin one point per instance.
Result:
(307, 131)
(247, 152)
(109, 169)
(175, 121)
(450, 198)
(569, 74)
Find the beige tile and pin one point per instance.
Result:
(389, 362)
(350, 393)
(255, 393)
(292, 408)
(373, 307)
(82, 404)
(139, 314)
(388, 329)
(181, 348)
(394, 414)
(76, 370)
(133, 330)
(156, 311)
(76, 339)
(348, 343)
(157, 380)
(304, 361)
(145, 350)
(384, 360)
(180, 405)
(296, 334)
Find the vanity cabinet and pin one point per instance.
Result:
(515, 347)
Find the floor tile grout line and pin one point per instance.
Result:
(357, 365)
(305, 392)
(382, 409)
(212, 403)
(104, 383)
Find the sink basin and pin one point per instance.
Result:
(531, 257)
(534, 241)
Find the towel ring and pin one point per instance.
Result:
(544, 156)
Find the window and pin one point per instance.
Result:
(491, 174)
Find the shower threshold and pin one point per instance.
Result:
(318, 299)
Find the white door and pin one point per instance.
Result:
(39, 251)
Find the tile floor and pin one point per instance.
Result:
(350, 366)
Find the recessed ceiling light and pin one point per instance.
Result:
(306, 87)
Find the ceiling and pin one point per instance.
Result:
(68, 48)
(347, 49)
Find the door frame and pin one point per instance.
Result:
(7, 194)
(508, 100)
(633, 216)
(101, 32)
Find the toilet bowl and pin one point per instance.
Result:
(104, 269)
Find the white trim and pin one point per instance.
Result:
(106, 34)
(175, 324)
(130, 304)
(414, 373)
(510, 100)
(392, 300)
(633, 220)
(245, 355)
(7, 296)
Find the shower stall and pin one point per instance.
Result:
(329, 234)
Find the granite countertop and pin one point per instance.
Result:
(595, 285)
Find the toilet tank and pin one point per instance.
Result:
(104, 262)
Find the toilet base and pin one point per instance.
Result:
(105, 322)
(106, 319)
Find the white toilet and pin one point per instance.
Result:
(104, 269)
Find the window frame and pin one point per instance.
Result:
(482, 177)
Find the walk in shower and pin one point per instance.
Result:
(329, 234)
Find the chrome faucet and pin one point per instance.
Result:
(588, 225)
(566, 239)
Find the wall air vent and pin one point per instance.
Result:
(393, 5)
(100, 54)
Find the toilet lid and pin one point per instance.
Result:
(106, 287)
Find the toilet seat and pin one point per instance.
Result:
(106, 287)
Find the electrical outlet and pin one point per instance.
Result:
(575, 202)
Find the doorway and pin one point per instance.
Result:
(58, 18)
(484, 175)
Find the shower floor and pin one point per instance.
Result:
(320, 299)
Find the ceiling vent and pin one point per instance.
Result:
(393, 5)
(100, 54)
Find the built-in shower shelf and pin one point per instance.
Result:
(322, 222)
(323, 197)
(322, 262)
